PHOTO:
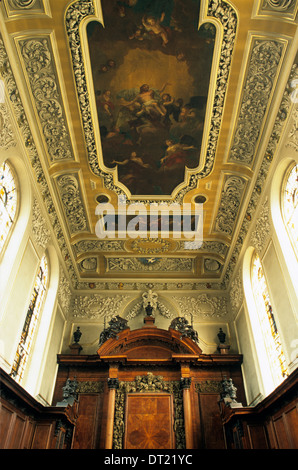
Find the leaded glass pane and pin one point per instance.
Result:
(276, 358)
(290, 206)
(8, 202)
(29, 328)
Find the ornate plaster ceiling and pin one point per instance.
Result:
(52, 88)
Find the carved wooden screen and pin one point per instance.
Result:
(149, 421)
(154, 388)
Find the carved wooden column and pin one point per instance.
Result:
(113, 384)
(185, 385)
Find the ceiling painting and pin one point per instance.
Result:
(151, 70)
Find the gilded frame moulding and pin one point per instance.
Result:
(218, 10)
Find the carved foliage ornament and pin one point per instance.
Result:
(262, 70)
(150, 264)
(202, 305)
(96, 306)
(7, 138)
(71, 198)
(263, 226)
(37, 56)
(280, 121)
(24, 128)
(39, 228)
(229, 204)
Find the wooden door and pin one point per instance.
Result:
(149, 421)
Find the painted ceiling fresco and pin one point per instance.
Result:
(151, 70)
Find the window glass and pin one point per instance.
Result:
(290, 206)
(29, 328)
(8, 202)
(275, 355)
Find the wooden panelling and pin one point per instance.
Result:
(272, 424)
(291, 417)
(257, 436)
(285, 425)
(18, 433)
(212, 429)
(149, 421)
(42, 436)
(6, 418)
(86, 431)
(26, 424)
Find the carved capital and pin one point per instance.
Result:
(113, 383)
(185, 383)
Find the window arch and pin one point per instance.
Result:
(267, 323)
(8, 202)
(290, 205)
(31, 320)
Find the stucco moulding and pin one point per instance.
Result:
(30, 8)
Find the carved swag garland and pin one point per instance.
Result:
(149, 383)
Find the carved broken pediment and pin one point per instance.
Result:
(149, 344)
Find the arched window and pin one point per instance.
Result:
(8, 202)
(267, 324)
(30, 324)
(290, 206)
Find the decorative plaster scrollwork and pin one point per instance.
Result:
(64, 292)
(280, 121)
(7, 138)
(97, 306)
(202, 306)
(150, 264)
(229, 204)
(99, 245)
(40, 67)
(40, 230)
(262, 230)
(262, 69)
(25, 132)
(236, 293)
(72, 202)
